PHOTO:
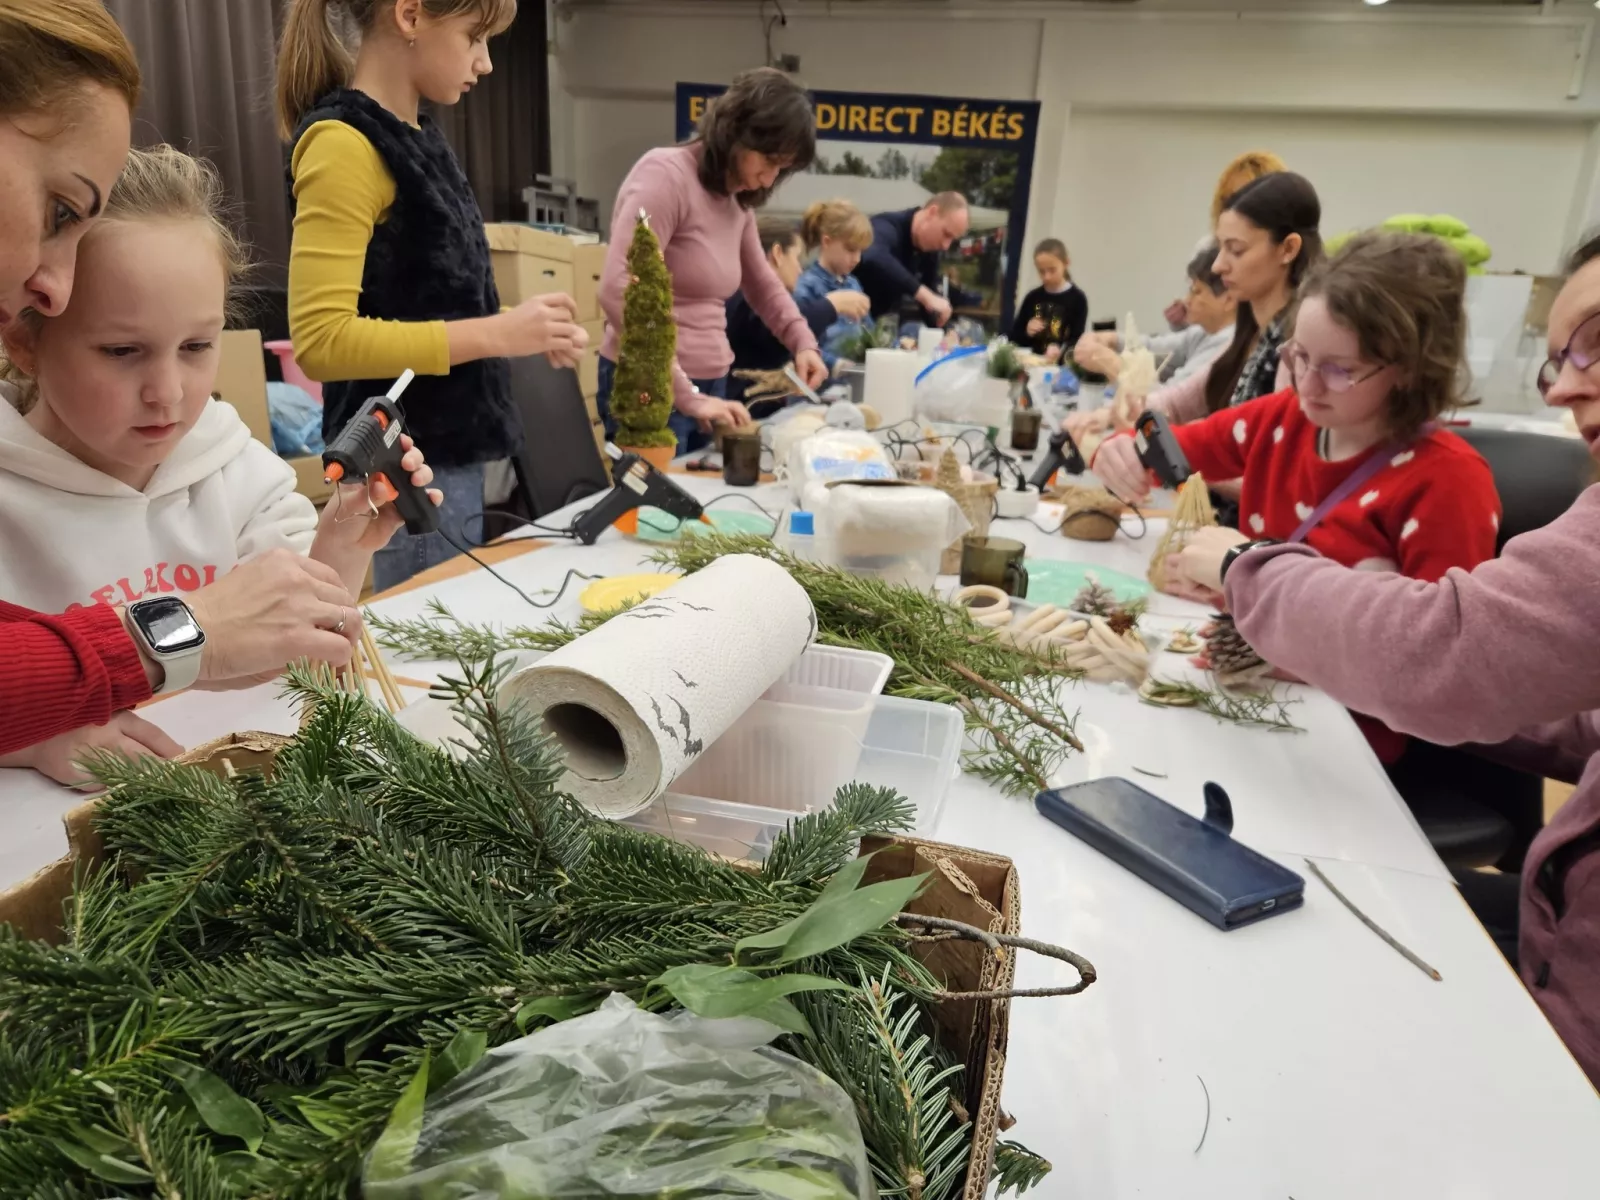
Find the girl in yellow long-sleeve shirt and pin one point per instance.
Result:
(389, 267)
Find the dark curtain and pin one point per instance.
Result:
(501, 130)
(208, 75)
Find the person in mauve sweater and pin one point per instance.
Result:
(84, 668)
(700, 199)
(1375, 357)
(1504, 658)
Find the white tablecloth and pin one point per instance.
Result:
(1335, 1069)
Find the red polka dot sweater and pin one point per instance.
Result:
(1432, 507)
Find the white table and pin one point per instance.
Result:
(1335, 1069)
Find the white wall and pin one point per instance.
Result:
(1131, 227)
(1488, 114)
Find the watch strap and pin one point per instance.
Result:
(1235, 551)
(181, 669)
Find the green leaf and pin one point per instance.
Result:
(555, 1008)
(466, 1048)
(222, 1109)
(835, 919)
(238, 1165)
(391, 1157)
(102, 1166)
(713, 991)
(843, 882)
(101, 1141)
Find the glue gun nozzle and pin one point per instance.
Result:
(706, 519)
(334, 473)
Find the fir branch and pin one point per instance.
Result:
(1016, 1168)
(1259, 710)
(819, 843)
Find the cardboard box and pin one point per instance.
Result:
(242, 380)
(529, 262)
(308, 478)
(596, 330)
(587, 263)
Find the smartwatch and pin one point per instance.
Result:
(167, 631)
(1235, 551)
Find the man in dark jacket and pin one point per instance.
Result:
(903, 261)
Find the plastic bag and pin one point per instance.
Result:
(831, 453)
(951, 389)
(623, 1103)
(296, 420)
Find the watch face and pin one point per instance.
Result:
(167, 625)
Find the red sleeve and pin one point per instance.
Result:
(1219, 445)
(65, 672)
(1450, 520)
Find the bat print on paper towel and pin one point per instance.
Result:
(691, 744)
(661, 723)
(688, 683)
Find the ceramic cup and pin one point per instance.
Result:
(996, 562)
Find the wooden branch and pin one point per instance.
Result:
(1373, 925)
(1027, 710)
(997, 942)
(1005, 743)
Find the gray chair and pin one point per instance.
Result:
(1476, 813)
(559, 462)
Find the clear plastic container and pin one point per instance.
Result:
(909, 745)
(841, 667)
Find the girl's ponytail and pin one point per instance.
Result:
(312, 60)
(838, 219)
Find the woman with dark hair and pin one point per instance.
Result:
(700, 199)
(1267, 239)
(757, 348)
(1503, 658)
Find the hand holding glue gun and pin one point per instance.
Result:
(383, 484)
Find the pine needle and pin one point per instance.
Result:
(1257, 710)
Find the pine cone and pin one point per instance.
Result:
(1229, 656)
(1121, 621)
(1095, 599)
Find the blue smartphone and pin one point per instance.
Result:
(1195, 862)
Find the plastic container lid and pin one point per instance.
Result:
(802, 523)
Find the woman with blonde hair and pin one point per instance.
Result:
(74, 676)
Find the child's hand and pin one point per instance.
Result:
(544, 325)
(1085, 422)
(1036, 327)
(125, 733)
(853, 306)
(1118, 466)
(1201, 558)
(348, 534)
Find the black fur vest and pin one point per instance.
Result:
(428, 262)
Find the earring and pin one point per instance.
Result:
(412, 44)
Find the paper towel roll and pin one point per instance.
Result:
(636, 701)
(891, 375)
(930, 338)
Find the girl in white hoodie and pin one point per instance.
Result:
(120, 476)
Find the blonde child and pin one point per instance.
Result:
(837, 231)
(1056, 312)
(120, 476)
(389, 266)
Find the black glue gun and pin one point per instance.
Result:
(369, 447)
(1159, 450)
(636, 483)
(1064, 455)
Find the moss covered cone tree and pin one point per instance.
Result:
(641, 398)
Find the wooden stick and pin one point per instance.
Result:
(1027, 710)
(380, 670)
(996, 941)
(1373, 925)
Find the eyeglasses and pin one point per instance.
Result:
(1335, 378)
(1582, 351)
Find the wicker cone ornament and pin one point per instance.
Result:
(1192, 512)
(975, 498)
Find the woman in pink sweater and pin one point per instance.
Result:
(1503, 657)
(700, 199)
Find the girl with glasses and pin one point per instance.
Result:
(1503, 658)
(1347, 460)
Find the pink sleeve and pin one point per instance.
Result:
(767, 295)
(1183, 401)
(652, 187)
(1475, 657)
